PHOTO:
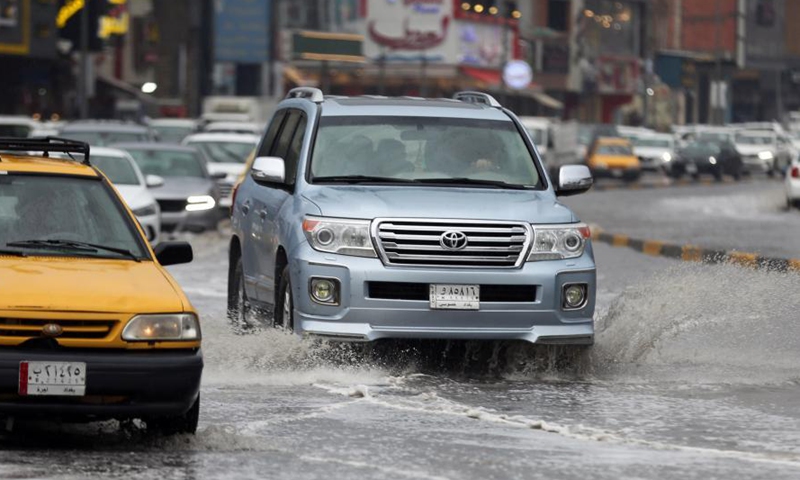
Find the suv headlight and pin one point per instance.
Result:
(146, 211)
(557, 242)
(338, 235)
(177, 327)
(765, 155)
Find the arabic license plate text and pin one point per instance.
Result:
(455, 297)
(52, 378)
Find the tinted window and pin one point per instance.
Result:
(422, 148)
(614, 150)
(36, 207)
(166, 163)
(118, 169)
(18, 131)
(287, 132)
(293, 155)
(272, 133)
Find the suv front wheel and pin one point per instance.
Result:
(242, 314)
(284, 306)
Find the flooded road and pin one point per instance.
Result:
(695, 375)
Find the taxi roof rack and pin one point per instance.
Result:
(46, 145)
(479, 98)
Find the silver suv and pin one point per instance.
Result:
(364, 218)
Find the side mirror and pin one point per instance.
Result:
(573, 180)
(218, 175)
(269, 170)
(154, 181)
(173, 253)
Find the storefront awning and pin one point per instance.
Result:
(486, 76)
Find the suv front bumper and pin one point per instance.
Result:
(118, 384)
(361, 317)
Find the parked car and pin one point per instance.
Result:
(119, 167)
(173, 130)
(189, 197)
(234, 127)
(654, 150)
(366, 218)
(792, 184)
(104, 133)
(706, 157)
(93, 326)
(762, 151)
(227, 154)
(613, 157)
(17, 126)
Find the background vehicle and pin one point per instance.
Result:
(613, 157)
(714, 158)
(556, 141)
(654, 150)
(105, 133)
(227, 154)
(234, 127)
(792, 183)
(124, 173)
(93, 326)
(762, 152)
(189, 195)
(17, 126)
(173, 130)
(413, 218)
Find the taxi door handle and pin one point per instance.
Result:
(246, 208)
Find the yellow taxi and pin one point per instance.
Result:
(613, 157)
(91, 324)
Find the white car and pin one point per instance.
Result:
(655, 150)
(122, 170)
(234, 127)
(173, 130)
(227, 153)
(17, 126)
(792, 184)
(762, 151)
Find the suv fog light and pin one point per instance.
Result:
(574, 296)
(324, 290)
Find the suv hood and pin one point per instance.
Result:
(70, 284)
(374, 201)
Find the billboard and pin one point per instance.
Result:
(410, 31)
(242, 31)
(764, 38)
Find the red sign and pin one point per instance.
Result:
(412, 39)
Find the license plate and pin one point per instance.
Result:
(691, 168)
(455, 297)
(616, 173)
(52, 378)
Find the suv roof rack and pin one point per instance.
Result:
(477, 97)
(46, 145)
(309, 93)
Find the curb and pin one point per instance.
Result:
(667, 183)
(693, 253)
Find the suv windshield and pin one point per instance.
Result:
(168, 163)
(118, 169)
(422, 148)
(48, 215)
(225, 152)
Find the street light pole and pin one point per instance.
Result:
(83, 73)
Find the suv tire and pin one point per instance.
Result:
(284, 304)
(242, 314)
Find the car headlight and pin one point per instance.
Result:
(337, 235)
(667, 157)
(557, 242)
(146, 211)
(765, 155)
(177, 327)
(198, 203)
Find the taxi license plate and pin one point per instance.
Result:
(52, 378)
(455, 297)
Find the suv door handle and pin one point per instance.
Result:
(263, 214)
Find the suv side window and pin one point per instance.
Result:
(281, 147)
(272, 133)
(293, 155)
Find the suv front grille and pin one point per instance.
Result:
(421, 292)
(419, 243)
(32, 327)
(172, 205)
(225, 189)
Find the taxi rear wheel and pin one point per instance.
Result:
(181, 424)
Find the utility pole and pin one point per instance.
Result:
(83, 68)
(718, 112)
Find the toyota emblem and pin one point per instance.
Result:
(52, 330)
(453, 240)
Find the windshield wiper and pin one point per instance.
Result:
(85, 247)
(362, 179)
(472, 181)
